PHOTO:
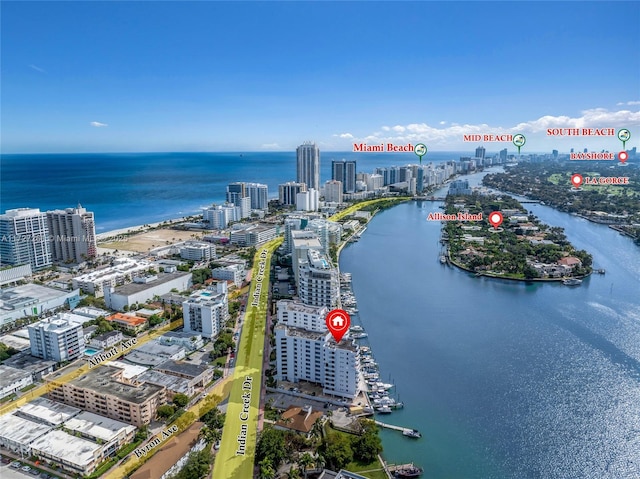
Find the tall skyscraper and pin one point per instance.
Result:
(24, 238)
(345, 172)
(333, 191)
(308, 165)
(73, 234)
(480, 151)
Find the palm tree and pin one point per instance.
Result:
(210, 435)
(266, 469)
(317, 429)
(304, 461)
(293, 473)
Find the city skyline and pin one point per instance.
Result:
(105, 77)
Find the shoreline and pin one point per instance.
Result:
(107, 235)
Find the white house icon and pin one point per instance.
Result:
(338, 322)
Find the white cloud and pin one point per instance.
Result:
(37, 68)
(347, 136)
(271, 146)
(97, 124)
(630, 103)
(442, 135)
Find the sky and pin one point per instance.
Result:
(252, 76)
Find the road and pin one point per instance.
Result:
(237, 447)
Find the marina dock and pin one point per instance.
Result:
(391, 426)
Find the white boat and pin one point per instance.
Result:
(359, 335)
(443, 259)
(357, 329)
(384, 410)
(571, 281)
(412, 433)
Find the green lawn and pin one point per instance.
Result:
(374, 469)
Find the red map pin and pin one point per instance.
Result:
(576, 180)
(623, 156)
(338, 322)
(495, 219)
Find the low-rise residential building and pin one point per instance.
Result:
(233, 272)
(134, 324)
(37, 367)
(173, 384)
(252, 234)
(111, 434)
(144, 289)
(101, 390)
(47, 412)
(300, 419)
(13, 380)
(197, 375)
(154, 353)
(106, 340)
(189, 341)
(73, 454)
(17, 433)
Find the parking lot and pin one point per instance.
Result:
(8, 472)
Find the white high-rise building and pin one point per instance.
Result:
(333, 191)
(25, 238)
(306, 351)
(206, 311)
(56, 340)
(308, 200)
(317, 280)
(301, 243)
(374, 182)
(308, 165)
(218, 217)
(73, 234)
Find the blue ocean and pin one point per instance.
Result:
(128, 189)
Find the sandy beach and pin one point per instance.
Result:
(113, 234)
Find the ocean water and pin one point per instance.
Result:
(129, 189)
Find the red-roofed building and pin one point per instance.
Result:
(131, 323)
(570, 261)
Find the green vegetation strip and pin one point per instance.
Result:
(237, 447)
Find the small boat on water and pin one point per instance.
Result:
(412, 433)
(357, 329)
(359, 335)
(407, 472)
(571, 282)
(383, 410)
(443, 259)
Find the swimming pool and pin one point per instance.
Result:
(91, 352)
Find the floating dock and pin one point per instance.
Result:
(391, 426)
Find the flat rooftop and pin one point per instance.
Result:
(101, 380)
(94, 425)
(45, 410)
(20, 430)
(132, 288)
(24, 294)
(71, 449)
(9, 375)
(179, 367)
(29, 363)
(172, 383)
(15, 342)
(130, 371)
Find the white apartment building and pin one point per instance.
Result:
(333, 191)
(252, 234)
(57, 340)
(73, 234)
(197, 251)
(218, 217)
(317, 280)
(307, 200)
(121, 271)
(301, 242)
(287, 192)
(206, 311)
(24, 238)
(232, 272)
(306, 351)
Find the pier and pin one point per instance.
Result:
(391, 426)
